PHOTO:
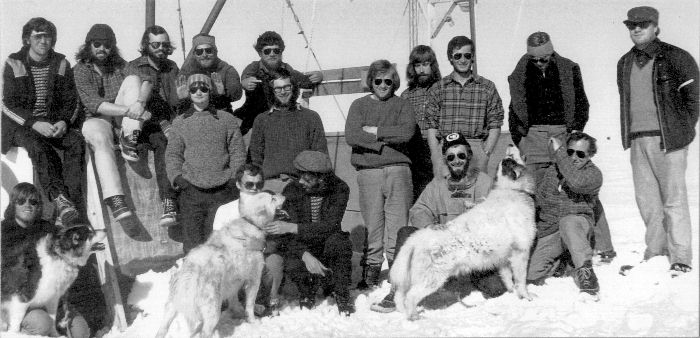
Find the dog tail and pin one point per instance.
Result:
(400, 274)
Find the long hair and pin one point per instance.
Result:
(113, 61)
(420, 54)
(155, 30)
(38, 25)
(23, 191)
(383, 67)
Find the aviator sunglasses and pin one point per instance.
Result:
(457, 56)
(579, 153)
(461, 156)
(98, 44)
(540, 60)
(257, 185)
(201, 87)
(32, 202)
(267, 51)
(200, 51)
(157, 44)
(378, 82)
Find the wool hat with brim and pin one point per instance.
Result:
(313, 161)
(101, 32)
(642, 14)
(452, 140)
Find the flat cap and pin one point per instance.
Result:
(313, 161)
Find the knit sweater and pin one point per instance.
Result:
(395, 126)
(279, 135)
(205, 148)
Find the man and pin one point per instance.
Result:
(548, 99)
(442, 201)
(205, 149)
(249, 181)
(422, 72)
(38, 105)
(257, 77)
(283, 132)
(658, 85)
(227, 82)
(378, 128)
(320, 250)
(565, 199)
(158, 96)
(466, 103)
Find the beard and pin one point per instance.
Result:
(457, 172)
(425, 80)
(157, 59)
(272, 66)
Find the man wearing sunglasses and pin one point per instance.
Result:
(548, 99)
(226, 81)
(204, 151)
(466, 103)
(565, 200)
(658, 85)
(257, 77)
(443, 199)
(38, 104)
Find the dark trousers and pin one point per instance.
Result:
(488, 282)
(55, 176)
(336, 255)
(197, 210)
(421, 165)
(152, 136)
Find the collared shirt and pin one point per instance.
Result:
(94, 89)
(471, 109)
(418, 96)
(642, 56)
(163, 79)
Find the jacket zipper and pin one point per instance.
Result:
(656, 102)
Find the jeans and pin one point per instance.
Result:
(100, 138)
(574, 235)
(197, 210)
(662, 198)
(385, 197)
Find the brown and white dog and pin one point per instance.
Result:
(26, 284)
(496, 233)
(231, 258)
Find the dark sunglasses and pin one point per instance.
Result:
(633, 25)
(157, 44)
(579, 153)
(457, 56)
(388, 82)
(267, 51)
(257, 185)
(461, 156)
(540, 60)
(98, 44)
(31, 201)
(200, 51)
(200, 87)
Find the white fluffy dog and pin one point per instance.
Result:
(231, 258)
(496, 233)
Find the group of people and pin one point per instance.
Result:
(421, 157)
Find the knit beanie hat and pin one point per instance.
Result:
(313, 161)
(101, 32)
(199, 78)
(202, 39)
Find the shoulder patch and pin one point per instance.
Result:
(17, 67)
(62, 67)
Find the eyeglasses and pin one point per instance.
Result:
(457, 56)
(267, 51)
(98, 44)
(461, 156)
(388, 82)
(32, 202)
(578, 153)
(158, 44)
(201, 87)
(200, 51)
(254, 185)
(540, 60)
(633, 25)
(285, 88)
(39, 36)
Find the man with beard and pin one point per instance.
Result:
(38, 104)
(422, 72)
(565, 200)
(466, 103)
(320, 251)
(257, 79)
(157, 94)
(284, 131)
(442, 201)
(225, 78)
(103, 89)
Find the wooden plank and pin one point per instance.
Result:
(343, 81)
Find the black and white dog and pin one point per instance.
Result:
(38, 271)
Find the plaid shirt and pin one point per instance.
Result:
(471, 109)
(94, 89)
(566, 190)
(418, 96)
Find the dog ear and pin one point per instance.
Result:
(517, 171)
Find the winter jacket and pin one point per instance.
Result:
(675, 84)
(573, 96)
(19, 96)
